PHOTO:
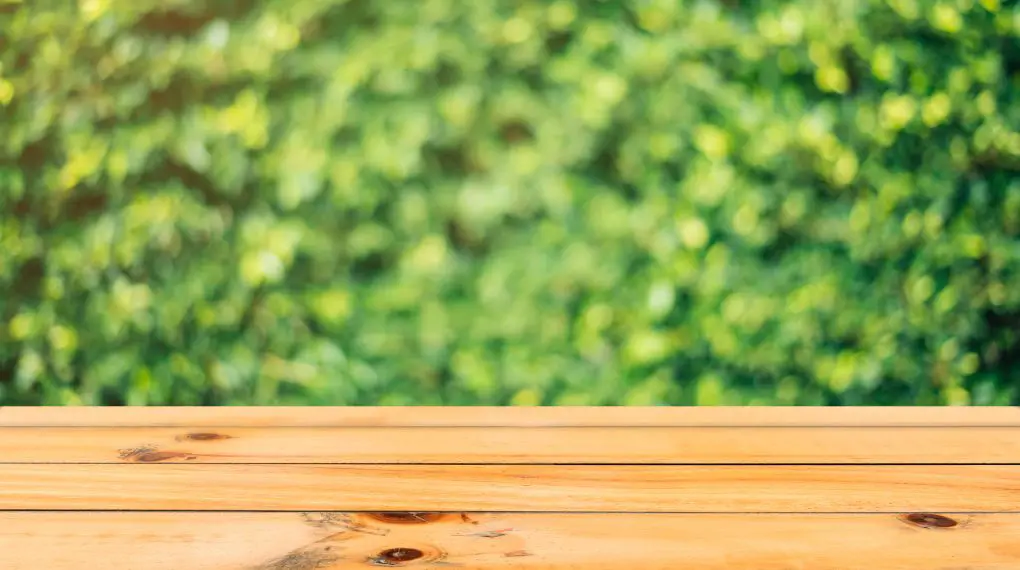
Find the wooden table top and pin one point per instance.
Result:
(531, 488)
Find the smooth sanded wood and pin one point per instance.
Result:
(509, 445)
(470, 541)
(650, 488)
(571, 488)
(509, 416)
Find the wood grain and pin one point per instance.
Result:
(509, 445)
(509, 416)
(526, 488)
(567, 488)
(597, 541)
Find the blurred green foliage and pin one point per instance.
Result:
(510, 202)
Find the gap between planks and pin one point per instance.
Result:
(512, 445)
(567, 488)
(594, 541)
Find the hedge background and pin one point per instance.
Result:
(509, 202)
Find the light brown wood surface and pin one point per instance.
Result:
(528, 488)
(512, 445)
(567, 488)
(482, 416)
(596, 541)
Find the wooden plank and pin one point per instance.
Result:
(508, 445)
(509, 416)
(305, 541)
(568, 488)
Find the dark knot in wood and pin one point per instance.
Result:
(202, 436)
(396, 556)
(929, 520)
(406, 517)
